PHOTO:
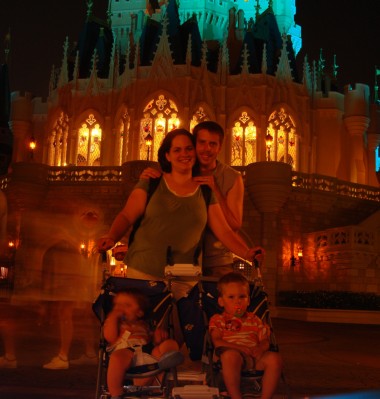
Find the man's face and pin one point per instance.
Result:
(207, 148)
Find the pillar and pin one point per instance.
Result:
(269, 185)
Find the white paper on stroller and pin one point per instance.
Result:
(183, 270)
(195, 392)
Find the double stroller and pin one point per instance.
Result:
(194, 311)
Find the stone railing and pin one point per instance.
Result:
(344, 238)
(77, 174)
(114, 174)
(335, 186)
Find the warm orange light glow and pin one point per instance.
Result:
(300, 253)
(32, 143)
(148, 140)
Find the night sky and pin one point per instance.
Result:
(348, 28)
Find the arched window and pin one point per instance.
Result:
(283, 141)
(89, 143)
(57, 141)
(160, 117)
(243, 146)
(199, 116)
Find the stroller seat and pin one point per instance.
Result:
(160, 299)
(195, 311)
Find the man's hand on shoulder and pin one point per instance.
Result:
(208, 180)
(150, 173)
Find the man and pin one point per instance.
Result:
(228, 187)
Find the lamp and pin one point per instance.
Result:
(32, 146)
(268, 141)
(83, 248)
(297, 261)
(148, 142)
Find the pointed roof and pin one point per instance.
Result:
(64, 74)
(284, 71)
(163, 62)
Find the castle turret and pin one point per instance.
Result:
(356, 119)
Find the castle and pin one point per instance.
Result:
(308, 153)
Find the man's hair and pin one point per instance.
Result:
(166, 145)
(232, 277)
(212, 127)
(141, 299)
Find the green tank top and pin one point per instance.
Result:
(169, 220)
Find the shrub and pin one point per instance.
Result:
(330, 300)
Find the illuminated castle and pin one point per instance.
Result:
(308, 153)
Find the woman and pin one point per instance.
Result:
(175, 216)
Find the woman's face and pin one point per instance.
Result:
(181, 154)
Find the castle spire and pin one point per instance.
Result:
(64, 74)
(109, 13)
(307, 78)
(52, 80)
(245, 65)
(284, 72)
(188, 54)
(257, 8)
(76, 67)
(223, 63)
(7, 45)
(163, 61)
(90, 5)
(204, 54)
(264, 61)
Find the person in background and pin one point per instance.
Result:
(241, 339)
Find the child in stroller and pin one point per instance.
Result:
(128, 336)
(241, 339)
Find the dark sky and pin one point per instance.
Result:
(348, 28)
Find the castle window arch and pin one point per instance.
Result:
(57, 141)
(199, 115)
(89, 142)
(160, 116)
(285, 140)
(243, 140)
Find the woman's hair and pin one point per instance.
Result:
(141, 299)
(232, 277)
(166, 144)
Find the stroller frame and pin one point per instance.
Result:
(207, 301)
(161, 301)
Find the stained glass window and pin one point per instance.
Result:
(89, 143)
(57, 141)
(244, 140)
(199, 116)
(160, 116)
(285, 141)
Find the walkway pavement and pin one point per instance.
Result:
(320, 359)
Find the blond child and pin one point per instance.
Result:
(241, 339)
(127, 333)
